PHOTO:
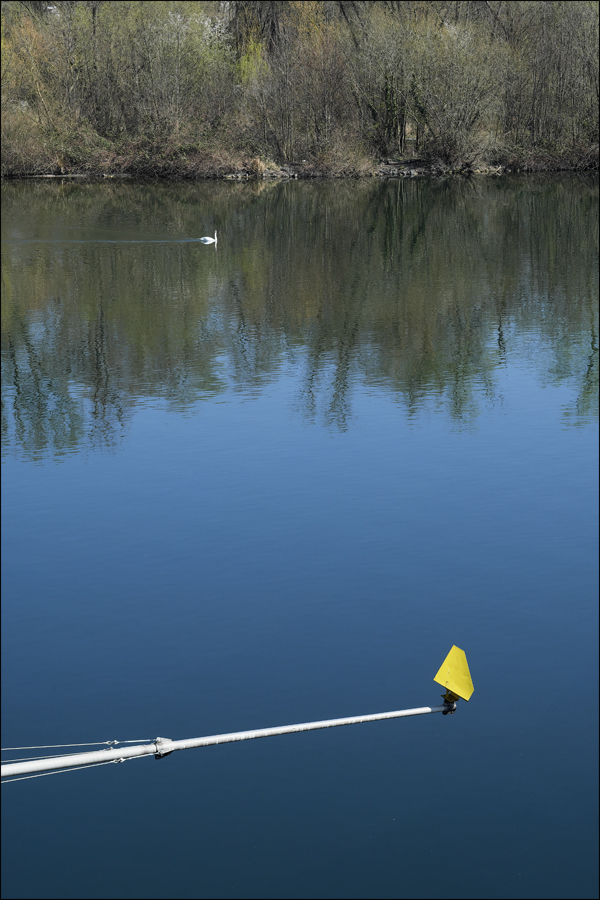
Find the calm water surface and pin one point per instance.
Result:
(274, 482)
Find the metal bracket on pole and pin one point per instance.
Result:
(450, 701)
(162, 747)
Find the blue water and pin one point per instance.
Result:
(235, 562)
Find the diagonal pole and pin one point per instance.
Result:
(162, 747)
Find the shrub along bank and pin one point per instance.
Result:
(298, 89)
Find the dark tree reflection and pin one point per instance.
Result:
(422, 290)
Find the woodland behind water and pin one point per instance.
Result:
(188, 90)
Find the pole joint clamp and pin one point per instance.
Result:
(162, 747)
(450, 700)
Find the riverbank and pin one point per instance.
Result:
(287, 90)
(190, 164)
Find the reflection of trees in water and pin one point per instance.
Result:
(44, 398)
(421, 289)
(586, 403)
(35, 399)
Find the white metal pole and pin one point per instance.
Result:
(76, 759)
(164, 746)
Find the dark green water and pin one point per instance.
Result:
(274, 481)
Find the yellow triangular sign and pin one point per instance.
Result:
(454, 674)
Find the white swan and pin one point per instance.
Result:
(207, 240)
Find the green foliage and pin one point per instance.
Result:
(456, 81)
(298, 80)
(252, 65)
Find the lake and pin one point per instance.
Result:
(274, 481)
